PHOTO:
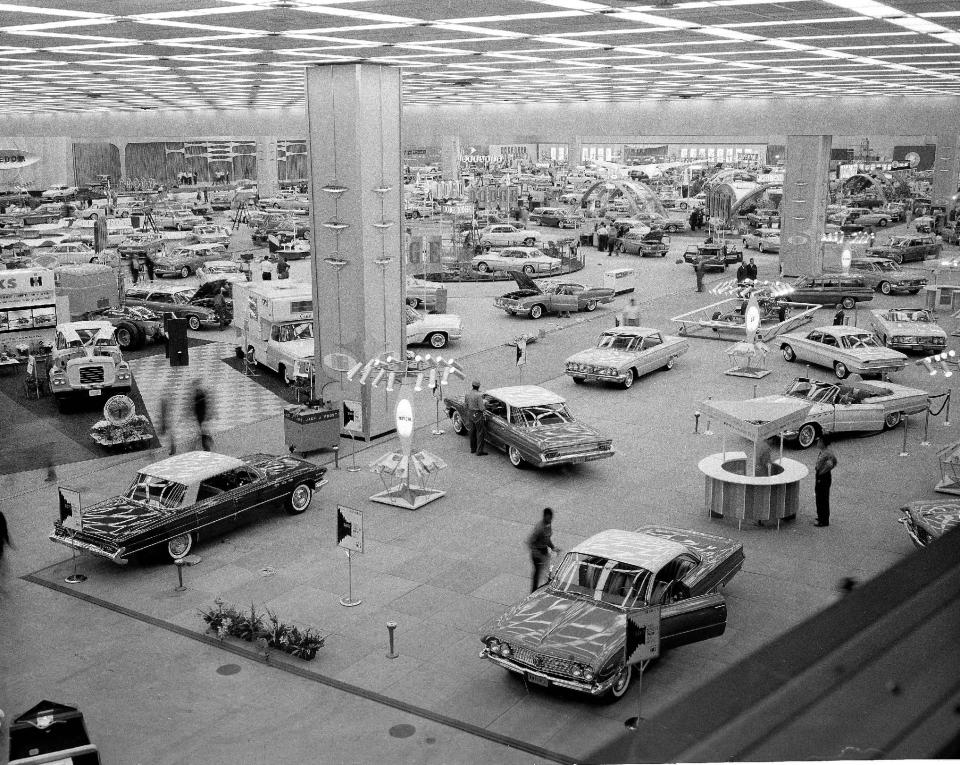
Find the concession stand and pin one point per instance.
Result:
(738, 487)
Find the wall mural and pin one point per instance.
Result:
(203, 161)
(292, 159)
(91, 160)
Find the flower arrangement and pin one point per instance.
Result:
(264, 629)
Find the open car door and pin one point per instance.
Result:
(692, 620)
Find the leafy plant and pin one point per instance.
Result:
(266, 631)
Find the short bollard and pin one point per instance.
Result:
(696, 423)
(391, 626)
(336, 457)
(179, 564)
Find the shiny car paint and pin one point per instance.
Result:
(845, 345)
(120, 527)
(625, 351)
(555, 297)
(929, 519)
(908, 329)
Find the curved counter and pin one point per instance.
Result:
(730, 492)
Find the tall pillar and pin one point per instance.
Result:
(804, 205)
(450, 151)
(573, 152)
(353, 125)
(946, 171)
(268, 174)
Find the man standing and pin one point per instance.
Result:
(751, 269)
(476, 422)
(741, 273)
(148, 261)
(826, 462)
(698, 270)
(602, 233)
(540, 544)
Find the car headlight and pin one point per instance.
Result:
(494, 645)
(505, 650)
(588, 675)
(938, 341)
(576, 671)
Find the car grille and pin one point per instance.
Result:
(91, 375)
(542, 662)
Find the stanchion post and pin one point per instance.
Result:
(336, 457)
(946, 423)
(353, 456)
(391, 627)
(708, 432)
(696, 423)
(926, 425)
(437, 431)
(903, 450)
(179, 564)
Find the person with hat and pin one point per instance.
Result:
(476, 422)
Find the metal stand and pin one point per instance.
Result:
(391, 627)
(74, 578)
(353, 457)
(926, 426)
(179, 564)
(632, 723)
(348, 599)
(437, 431)
(903, 450)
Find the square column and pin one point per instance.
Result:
(450, 151)
(353, 126)
(804, 205)
(268, 174)
(946, 171)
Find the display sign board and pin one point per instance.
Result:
(643, 634)
(350, 528)
(352, 416)
(26, 287)
(13, 159)
(71, 511)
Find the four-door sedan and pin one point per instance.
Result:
(843, 408)
(908, 248)
(435, 329)
(643, 243)
(623, 354)
(141, 245)
(844, 349)
(886, 276)
(188, 259)
(927, 520)
(529, 260)
(190, 496)
(572, 632)
(181, 220)
(554, 217)
(533, 426)
(831, 289)
(908, 329)
(560, 297)
(209, 233)
(506, 235)
(177, 301)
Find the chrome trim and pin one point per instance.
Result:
(116, 557)
(576, 457)
(594, 689)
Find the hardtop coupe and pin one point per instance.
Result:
(572, 632)
(534, 300)
(506, 235)
(843, 348)
(435, 329)
(624, 353)
(178, 301)
(533, 426)
(855, 407)
(530, 260)
(713, 255)
(908, 329)
(180, 499)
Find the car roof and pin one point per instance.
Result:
(191, 467)
(631, 331)
(526, 395)
(841, 329)
(75, 326)
(635, 548)
(151, 288)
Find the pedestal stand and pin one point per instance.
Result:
(348, 599)
(74, 578)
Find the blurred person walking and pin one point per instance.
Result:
(540, 543)
(135, 268)
(201, 399)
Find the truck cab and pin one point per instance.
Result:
(87, 362)
(274, 326)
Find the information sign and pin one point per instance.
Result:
(350, 528)
(643, 634)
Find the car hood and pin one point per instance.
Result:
(815, 408)
(524, 282)
(299, 349)
(209, 289)
(119, 519)
(915, 328)
(604, 357)
(570, 628)
(936, 517)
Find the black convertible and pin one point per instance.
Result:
(176, 501)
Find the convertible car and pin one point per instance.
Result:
(571, 633)
(533, 426)
(533, 301)
(623, 354)
(908, 329)
(840, 408)
(843, 348)
(929, 519)
(180, 499)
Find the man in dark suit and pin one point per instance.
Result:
(476, 422)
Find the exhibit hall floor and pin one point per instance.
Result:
(131, 651)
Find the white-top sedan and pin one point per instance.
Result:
(908, 329)
(506, 235)
(529, 260)
(844, 349)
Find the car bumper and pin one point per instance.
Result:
(596, 377)
(573, 459)
(116, 556)
(167, 270)
(920, 346)
(542, 678)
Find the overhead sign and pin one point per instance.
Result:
(643, 634)
(350, 528)
(13, 159)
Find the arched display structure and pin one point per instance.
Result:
(765, 195)
(887, 186)
(639, 197)
(722, 198)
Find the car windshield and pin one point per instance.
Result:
(909, 316)
(617, 342)
(302, 330)
(601, 579)
(887, 265)
(544, 414)
(819, 393)
(156, 492)
(182, 297)
(859, 341)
